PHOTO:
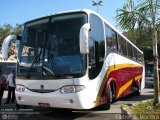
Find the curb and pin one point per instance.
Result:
(126, 114)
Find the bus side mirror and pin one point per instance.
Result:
(84, 38)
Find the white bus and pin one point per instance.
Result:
(76, 60)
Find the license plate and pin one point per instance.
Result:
(44, 104)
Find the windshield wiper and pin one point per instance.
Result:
(51, 60)
(36, 61)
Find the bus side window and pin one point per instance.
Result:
(93, 59)
(140, 57)
(130, 51)
(122, 46)
(135, 57)
(92, 62)
(111, 40)
(96, 46)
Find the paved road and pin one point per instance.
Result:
(95, 114)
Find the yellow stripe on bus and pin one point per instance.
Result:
(125, 86)
(110, 69)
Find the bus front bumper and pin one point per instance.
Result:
(54, 99)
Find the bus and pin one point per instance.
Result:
(76, 60)
(7, 66)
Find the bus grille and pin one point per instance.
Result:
(42, 90)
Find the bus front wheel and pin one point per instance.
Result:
(107, 105)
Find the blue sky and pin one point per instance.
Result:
(20, 11)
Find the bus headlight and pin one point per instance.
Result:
(20, 88)
(72, 88)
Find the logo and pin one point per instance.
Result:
(42, 87)
(149, 108)
(4, 117)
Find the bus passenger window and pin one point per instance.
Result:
(96, 46)
(130, 51)
(122, 46)
(135, 56)
(91, 54)
(140, 57)
(93, 59)
(111, 39)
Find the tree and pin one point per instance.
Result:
(140, 16)
(7, 29)
(17, 30)
(153, 9)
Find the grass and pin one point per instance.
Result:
(146, 110)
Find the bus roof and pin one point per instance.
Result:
(89, 12)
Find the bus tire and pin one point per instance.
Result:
(138, 92)
(107, 105)
(113, 92)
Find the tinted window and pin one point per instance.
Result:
(96, 46)
(92, 61)
(51, 46)
(122, 46)
(140, 57)
(135, 56)
(129, 49)
(111, 39)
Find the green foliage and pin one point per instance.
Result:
(138, 20)
(138, 15)
(127, 16)
(146, 110)
(8, 29)
(18, 29)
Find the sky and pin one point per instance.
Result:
(20, 11)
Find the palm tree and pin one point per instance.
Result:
(131, 16)
(126, 17)
(140, 16)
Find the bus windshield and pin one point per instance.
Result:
(50, 46)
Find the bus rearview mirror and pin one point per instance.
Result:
(84, 38)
